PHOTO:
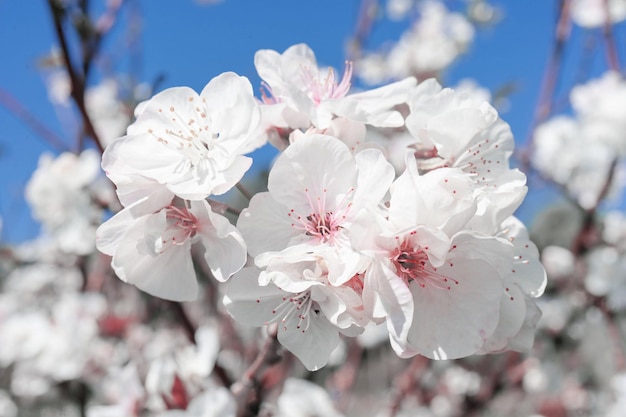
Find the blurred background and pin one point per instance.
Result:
(553, 70)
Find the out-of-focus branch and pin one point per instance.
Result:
(77, 79)
(102, 27)
(609, 40)
(588, 234)
(22, 113)
(364, 24)
(404, 383)
(550, 78)
(344, 378)
(243, 190)
(267, 356)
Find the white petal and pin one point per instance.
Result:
(310, 171)
(224, 247)
(266, 225)
(312, 345)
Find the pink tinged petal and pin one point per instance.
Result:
(266, 225)
(392, 295)
(155, 256)
(375, 107)
(499, 201)
(524, 339)
(169, 275)
(442, 198)
(366, 234)
(250, 303)
(141, 154)
(313, 343)
(454, 323)
(375, 176)
(342, 306)
(343, 264)
(527, 271)
(302, 327)
(312, 346)
(212, 181)
(224, 247)
(434, 242)
(110, 233)
(316, 171)
(132, 188)
(454, 129)
(512, 313)
(226, 179)
(464, 313)
(232, 108)
(281, 70)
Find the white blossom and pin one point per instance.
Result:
(151, 242)
(192, 144)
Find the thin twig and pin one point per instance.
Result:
(550, 77)
(405, 383)
(77, 80)
(609, 40)
(365, 22)
(102, 27)
(244, 191)
(344, 378)
(22, 113)
(267, 356)
(588, 234)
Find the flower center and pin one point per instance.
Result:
(412, 265)
(322, 224)
(296, 307)
(181, 225)
(319, 90)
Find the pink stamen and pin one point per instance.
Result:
(326, 89)
(412, 264)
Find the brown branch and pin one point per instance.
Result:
(267, 356)
(588, 234)
(102, 27)
(344, 378)
(77, 80)
(244, 190)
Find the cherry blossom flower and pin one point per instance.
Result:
(432, 43)
(59, 195)
(316, 189)
(458, 129)
(435, 277)
(309, 311)
(593, 13)
(597, 104)
(193, 144)
(151, 241)
(526, 281)
(109, 115)
(298, 95)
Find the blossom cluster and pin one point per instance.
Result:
(382, 230)
(585, 152)
(342, 239)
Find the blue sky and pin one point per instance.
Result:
(189, 44)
